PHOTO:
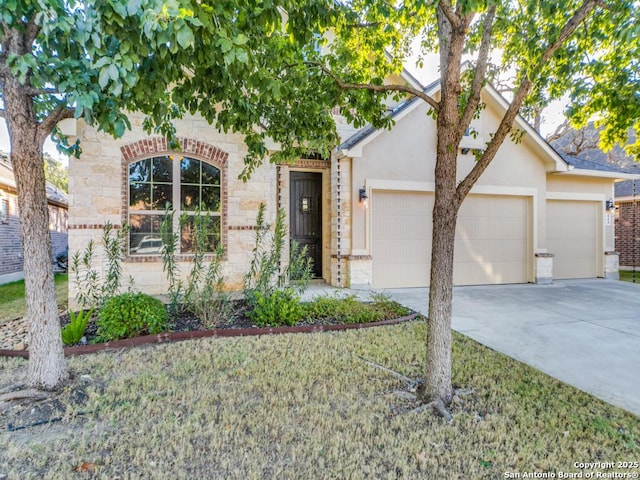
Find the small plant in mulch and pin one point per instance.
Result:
(130, 315)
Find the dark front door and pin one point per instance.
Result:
(306, 215)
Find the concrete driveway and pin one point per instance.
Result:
(582, 332)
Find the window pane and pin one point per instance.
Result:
(210, 199)
(144, 236)
(210, 174)
(140, 171)
(140, 196)
(161, 196)
(189, 170)
(190, 197)
(189, 229)
(162, 169)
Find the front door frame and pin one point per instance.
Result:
(284, 199)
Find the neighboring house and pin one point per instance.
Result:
(365, 213)
(11, 255)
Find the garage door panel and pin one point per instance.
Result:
(573, 236)
(492, 239)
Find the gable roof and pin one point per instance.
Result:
(364, 136)
(402, 109)
(561, 164)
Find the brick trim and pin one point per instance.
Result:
(242, 227)
(353, 257)
(308, 163)
(155, 145)
(149, 147)
(88, 226)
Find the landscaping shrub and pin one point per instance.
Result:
(300, 269)
(73, 332)
(349, 309)
(93, 288)
(129, 315)
(387, 307)
(205, 295)
(281, 307)
(264, 275)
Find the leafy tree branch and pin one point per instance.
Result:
(376, 88)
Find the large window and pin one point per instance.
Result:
(186, 186)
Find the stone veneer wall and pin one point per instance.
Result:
(96, 189)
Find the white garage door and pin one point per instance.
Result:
(492, 239)
(573, 236)
(401, 232)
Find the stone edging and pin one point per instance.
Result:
(170, 337)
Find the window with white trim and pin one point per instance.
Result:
(183, 184)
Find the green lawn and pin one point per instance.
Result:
(627, 275)
(307, 407)
(12, 297)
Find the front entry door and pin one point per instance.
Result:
(306, 215)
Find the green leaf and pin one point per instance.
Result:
(133, 7)
(242, 55)
(114, 74)
(229, 57)
(119, 128)
(225, 44)
(103, 77)
(241, 39)
(185, 37)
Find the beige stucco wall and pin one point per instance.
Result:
(95, 198)
(407, 154)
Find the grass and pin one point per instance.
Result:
(627, 275)
(12, 297)
(306, 406)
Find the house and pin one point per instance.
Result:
(365, 213)
(10, 236)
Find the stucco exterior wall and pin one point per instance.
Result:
(407, 154)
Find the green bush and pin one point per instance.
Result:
(345, 309)
(129, 315)
(349, 309)
(281, 307)
(73, 332)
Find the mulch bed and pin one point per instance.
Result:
(186, 326)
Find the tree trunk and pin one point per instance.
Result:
(47, 365)
(438, 386)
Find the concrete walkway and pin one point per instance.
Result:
(582, 332)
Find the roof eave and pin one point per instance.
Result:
(618, 176)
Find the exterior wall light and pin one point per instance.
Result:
(363, 197)
(610, 204)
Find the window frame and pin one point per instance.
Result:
(196, 150)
